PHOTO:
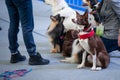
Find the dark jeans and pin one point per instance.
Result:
(21, 10)
(110, 44)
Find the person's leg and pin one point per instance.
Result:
(12, 33)
(13, 28)
(26, 18)
(110, 45)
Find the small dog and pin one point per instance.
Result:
(76, 51)
(56, 33)
(69, 38)
(90, 44)
(62, 8)
(93, 7)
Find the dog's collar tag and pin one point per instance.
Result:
(88, 35)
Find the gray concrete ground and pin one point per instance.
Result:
(55, 70)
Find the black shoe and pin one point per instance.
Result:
(17, 57)
(37, 60)
(0, 28)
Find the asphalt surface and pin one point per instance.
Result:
(55, 70)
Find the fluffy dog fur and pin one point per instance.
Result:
(93, 7)
(93, 45)
(56, 33)
(70, 36)
(61, 7)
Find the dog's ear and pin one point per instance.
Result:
(58, 15)
(77, 13)
(86, 14)
(52, 18)
(93, 2)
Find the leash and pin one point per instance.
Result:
(9, 75)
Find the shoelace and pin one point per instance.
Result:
(9, 75)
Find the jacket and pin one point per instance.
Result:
(110, 13)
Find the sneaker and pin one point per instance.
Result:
(17, 57)
(0, 28)
(37, 60)
(115, 53)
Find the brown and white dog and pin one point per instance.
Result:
(90, 44)
(56, 33)
(69, 38)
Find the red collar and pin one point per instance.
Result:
(88, 35)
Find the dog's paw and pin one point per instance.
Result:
(80, 66)
(96, 68)
(53, 51)
(68, 60)
(64, 60)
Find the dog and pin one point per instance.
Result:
(94, 51)
(56, 33)
(62, 8)
(69, 38)
(81, 19)
(93, 7)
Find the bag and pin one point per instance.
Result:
(100, 30)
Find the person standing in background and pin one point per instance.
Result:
(22, 11)
(110, 14)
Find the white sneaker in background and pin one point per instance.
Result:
(115, 53)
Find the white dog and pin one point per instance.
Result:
(62, 8)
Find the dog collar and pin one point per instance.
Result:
(88, 35)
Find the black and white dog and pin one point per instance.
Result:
(56, 33)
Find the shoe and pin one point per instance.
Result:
(115, 53)
(17, 57)
(0, 28)
(37, 60)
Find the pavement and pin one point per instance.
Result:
(55, 70)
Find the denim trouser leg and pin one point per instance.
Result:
(13, 27)
(26, 17)
(110, 44)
